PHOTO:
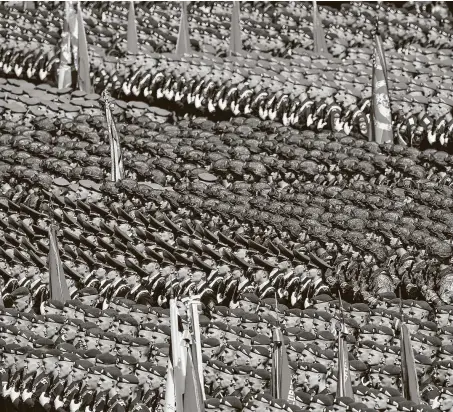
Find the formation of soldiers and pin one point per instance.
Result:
(292, 85)
(239, 212)
(249, 183)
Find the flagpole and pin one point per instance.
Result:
(132, 41)
(235, 38)
(194, 304)
(64, 73)
(344, 383)
(117, 167)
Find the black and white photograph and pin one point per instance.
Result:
(226, 206)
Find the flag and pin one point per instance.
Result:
(196, 338)
(344, 382)
(83, 59)
(132, 42)
(170, 394)
(183, 43)
(64, 74)
(381, 125)
(344, 386)
(74, 34)
(409, 373)
(57, 282)
(319, 39)
(235, 42)
(381, 51)
(193, 397)
(177, 357)
(117, 172)
(281, 375)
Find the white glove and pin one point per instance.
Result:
(43, 399)
(26, 394)
(58, 403)
(74, 406)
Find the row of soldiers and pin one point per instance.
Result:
(312, 231)
(236, 348)
(427, 128)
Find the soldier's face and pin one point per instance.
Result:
(247, 306)
(7, 319)
(197, 276)
(210, 351)
(104, 323)
(236, 274)
(129, 330)
(256, 385)
(370, 356)
(363, 127)
(105, 383)
(445, 402)
(139, 352)
(9, 360)
(22, 303)
(224, 380)
(419, 313)
(312, 380)
(51, 329)
(105, 345)
(77, 375)
(153, 336)
(262, 328)
(331, 383)
(46, 310)
(64, 368)
(384, 381)
(140, 317)
(258, 361)
(90, 300)
(210, 376)
(49, 365)
(228, 356)
(168, 270)
(306, 324)
(91, 381)
(142, 376)
(68, 333)
(442, 319)
(360, 317)
(151, 267)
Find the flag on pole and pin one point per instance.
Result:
(117, 172)
(196, 339)
(409, 373)
(193, 397)
(281, 375)
(170, 393)
(183, 43)
(236, 42)
(177, 358)
(381, 51)
(57, 281)
(381, 125)
(74, 34)
(132, 41)
(319, 39)
(83, 59)
(344, 385)
(64, 74)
